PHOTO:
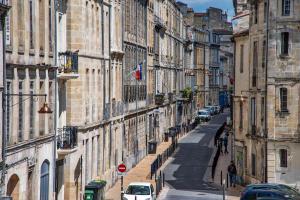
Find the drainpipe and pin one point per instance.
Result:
(122, 88)
(266, 93)
(55, 99)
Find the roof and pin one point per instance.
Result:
(222, 31)
(140, 183)
(200, 14)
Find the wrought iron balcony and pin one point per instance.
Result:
(171, 97)
(159, 23)
(68, 65)
(117, 108)
(160, 99)
(106, 114)
(67, 139)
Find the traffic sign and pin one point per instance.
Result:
(122, 168)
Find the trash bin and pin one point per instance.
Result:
(95, 190)
(89, 195)
(166, 136)
(152, 147)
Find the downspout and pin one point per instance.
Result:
(266, 93)
(232, 104)
(146, 73)
(103, 61)
(136, 82)
(122, 88)
(4, 133)
(55, 99)
(204, 74)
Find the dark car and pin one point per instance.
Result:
(264, 194)
(291, 192)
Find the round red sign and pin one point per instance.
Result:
(122, 168)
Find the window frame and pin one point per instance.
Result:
(283, 94)
(286, 10)
(241, 58)
(283, 158)
(285, 37)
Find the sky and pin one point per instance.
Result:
(202, 5)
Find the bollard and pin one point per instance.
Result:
(221, 178)
(227, 180)
(164, 179)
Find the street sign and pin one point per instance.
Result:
(122, 168)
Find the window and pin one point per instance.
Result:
(21, 113)
(265, 11)
(42, 25)
(264, 54)
(253, 112)
(283, 99)
(283, 157)
(286, 7)
(255, 61)
(284, 43)
(21, 25)
(255, 14)
(262, 109)
(44, 182)
(50, 25)
(241, 115)
(242, 58)
(31, 12)
(253, 164)
(8, 110)
(31, 111)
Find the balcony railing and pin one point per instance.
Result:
(106, 114)
(160, 99)
(159, 23)
(171, 97)
(67, 137)
(117, 108)
(68, 65)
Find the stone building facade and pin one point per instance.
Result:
(30, 70)
(282, 100)
(90, 110)
(268, 150)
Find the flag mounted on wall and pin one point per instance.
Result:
(138, 72)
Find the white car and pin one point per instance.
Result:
(139, 191)
(204, 115)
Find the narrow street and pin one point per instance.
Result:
(186, 172)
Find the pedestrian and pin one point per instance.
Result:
(232, 173)
(221, 144)
(225, 141)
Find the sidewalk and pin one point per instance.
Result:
(223, 162)
(140, 173)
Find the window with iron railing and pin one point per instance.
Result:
(67, 137)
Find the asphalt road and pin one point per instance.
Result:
(185, 173)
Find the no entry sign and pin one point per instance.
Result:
(122, 168)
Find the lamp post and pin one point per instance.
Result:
(45, 109)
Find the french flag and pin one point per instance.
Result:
(138, 72)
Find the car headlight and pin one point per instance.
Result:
(148, 199)
(124, 198)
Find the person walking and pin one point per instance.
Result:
(232, 173)
(221, 144)
(225, 141)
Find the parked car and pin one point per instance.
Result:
(210, 109)
(263, 194)
(140, 191)
(204, 115)
(217, 108)
(289, 192)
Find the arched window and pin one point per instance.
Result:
(44, 183)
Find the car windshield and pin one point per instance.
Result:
(202, 113)
(138, 190)
(289, 189)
